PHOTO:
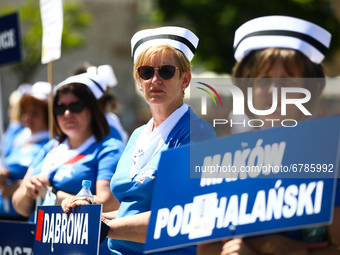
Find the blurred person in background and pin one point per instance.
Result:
(81, 150)
(162, 69)
(26, 143)
(108, 102)
(261, 60)
(15, 125)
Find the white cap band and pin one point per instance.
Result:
(93, 81)
(177, 37)
(282, 32)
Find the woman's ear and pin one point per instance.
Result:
(186, 79)
(140, 85)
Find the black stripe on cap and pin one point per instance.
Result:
(164, 36)
(97, 84)
(304, 37)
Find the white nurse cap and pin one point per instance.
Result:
(177, 37)
(92, 81)
(106, 73)
(282, 32)
(41, 90)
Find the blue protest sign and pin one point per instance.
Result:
(76, 232)
(187, 211)
(16, 238)
(309, 148)
(10, 40)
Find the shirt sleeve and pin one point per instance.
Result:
(39, 159)
(108, 158)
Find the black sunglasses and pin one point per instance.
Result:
(166, 72)
(75, 107)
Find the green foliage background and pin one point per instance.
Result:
(215, 21)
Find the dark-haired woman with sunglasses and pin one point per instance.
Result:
(163, 71)
(82, 150)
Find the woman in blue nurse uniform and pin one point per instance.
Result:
(33, 111)
(15, 124)
(82, 150)
(274, 47)
(162, 69)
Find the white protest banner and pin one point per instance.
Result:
(52, 21)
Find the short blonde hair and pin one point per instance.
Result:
(181, 60)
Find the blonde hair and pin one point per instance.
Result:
(181, 60)
(14, 107)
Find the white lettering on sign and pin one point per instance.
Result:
(7, 39)
(242, 164)
(208, 212)
(7, 250)
(58, 228)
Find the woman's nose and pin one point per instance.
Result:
(67, 112)
(275, 85)
(156, 78)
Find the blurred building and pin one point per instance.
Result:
(108, 42)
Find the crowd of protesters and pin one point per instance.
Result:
(88, 142)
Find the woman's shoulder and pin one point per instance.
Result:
(47, 147)
(110, 142)
(137, 132)
(191, 128)
(108, 147)
(51, 144)
(199, 128)
(195, 119)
